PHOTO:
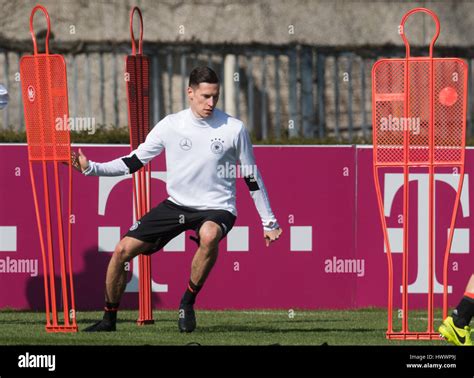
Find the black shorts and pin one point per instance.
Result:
(166, 221)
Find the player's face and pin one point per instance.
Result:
(203, 99)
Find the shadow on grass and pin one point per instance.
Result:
(80, 321)
(241, 328)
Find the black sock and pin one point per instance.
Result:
(110, 312)
(190, 294)
(462, 315)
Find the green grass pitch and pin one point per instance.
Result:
(259, 327)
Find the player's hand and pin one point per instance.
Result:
(271, 236)
(79, 161)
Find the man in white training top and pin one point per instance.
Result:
(200, 143)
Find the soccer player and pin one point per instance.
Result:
(455, 328)
(200, 143)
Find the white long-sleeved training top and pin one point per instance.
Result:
(202, 156)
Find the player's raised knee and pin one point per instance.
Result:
(124, 251)
(210, 234)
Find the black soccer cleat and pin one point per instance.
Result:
(102, 326)
(187, 319)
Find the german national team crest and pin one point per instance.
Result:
(217, 146)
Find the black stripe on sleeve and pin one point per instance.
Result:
(133, 163)
(251, 182)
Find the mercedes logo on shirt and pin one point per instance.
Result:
(186, 144)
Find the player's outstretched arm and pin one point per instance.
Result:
(146, 151)
(254, 181)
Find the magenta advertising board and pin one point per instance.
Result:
(372, 291)
(330, 255)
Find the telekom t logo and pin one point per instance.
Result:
(393, 183)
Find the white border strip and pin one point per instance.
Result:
(255, 145)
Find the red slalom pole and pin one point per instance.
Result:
(137, 71)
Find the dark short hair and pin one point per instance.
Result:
(202, 75)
